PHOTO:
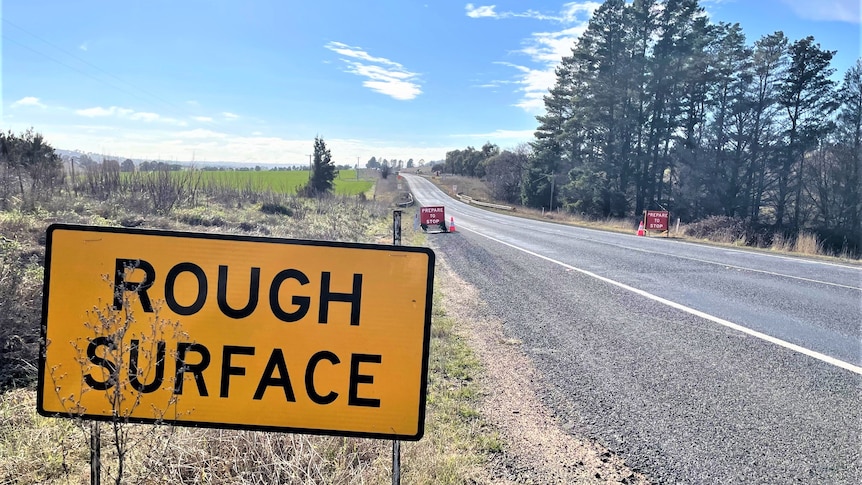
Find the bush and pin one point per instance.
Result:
(20, 299)
(731, 230)
(273, 208)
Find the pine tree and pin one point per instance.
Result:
(323, 171)
(805, 94)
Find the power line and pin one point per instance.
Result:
(173, 107)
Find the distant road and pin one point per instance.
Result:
(698, 364)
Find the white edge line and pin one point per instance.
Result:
(692, 311)
(796, 259)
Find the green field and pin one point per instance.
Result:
(278, 181)
(286, 182)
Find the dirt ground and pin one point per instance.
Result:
(537, 450)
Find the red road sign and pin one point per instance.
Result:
(657, 221)
(432, 216)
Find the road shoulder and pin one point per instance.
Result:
(537, 449)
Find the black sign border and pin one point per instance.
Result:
(239, 238)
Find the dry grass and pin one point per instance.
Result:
(807, 243)
(34, 449)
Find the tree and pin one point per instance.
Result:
(372, 163)
(503, 173)
(323, 171)
(127, 166)
(805, 93)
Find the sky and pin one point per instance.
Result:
(256, 80)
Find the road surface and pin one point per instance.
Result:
(697, 364)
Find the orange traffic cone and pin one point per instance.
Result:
(641, 231)
(451, 224)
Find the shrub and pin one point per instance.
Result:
(274, 208)
(20, 299)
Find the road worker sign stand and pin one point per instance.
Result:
(432, 219)
(253, 333)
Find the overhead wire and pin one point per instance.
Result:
(175, 109)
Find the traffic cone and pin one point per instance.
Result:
(451, 224)
(641, 231)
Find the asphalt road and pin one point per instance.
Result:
(696, 364)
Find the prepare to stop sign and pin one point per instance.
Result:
(432, 215)
(657, 220)
(303, 336)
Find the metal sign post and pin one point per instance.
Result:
(95, 454)
(396, 445)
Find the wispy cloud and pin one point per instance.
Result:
(479, 12)
(498, 135)
(128, 114)
(213, 145)
(840, 10)
(544, 50)
(84, 46)
(28, 101)
(383, 75)
(570, 12)
(229, 116)
(203, 119)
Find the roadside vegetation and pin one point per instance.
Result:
(713, 230)
(38, 189)
(658, 108)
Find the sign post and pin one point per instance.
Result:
(235, 332)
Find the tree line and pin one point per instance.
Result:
(658, 108)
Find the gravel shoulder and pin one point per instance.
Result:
(537, 449)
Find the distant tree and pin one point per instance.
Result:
(410, 163)
(385, 169)
(372, 163)
(503, 173)
(30, 158)
(323, 171)
(127, 166)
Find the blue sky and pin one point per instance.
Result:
(255, 81)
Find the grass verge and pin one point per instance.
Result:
(456, 443)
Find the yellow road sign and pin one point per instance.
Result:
(236, 332)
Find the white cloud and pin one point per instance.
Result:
(28, 101)
(544, 50)
(99, 111)
(478, 12)
(505, 137)
(358, 53)
(383, 75)
(210, 145)
(143, 116)
(128, 114)
(229, 116)
(570, 12)
(83, 46)
(200, 133)
(203, 119)
(840, 10)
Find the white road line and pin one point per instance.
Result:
(717, 263)
(692, 311)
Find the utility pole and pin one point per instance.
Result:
(551, 179)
